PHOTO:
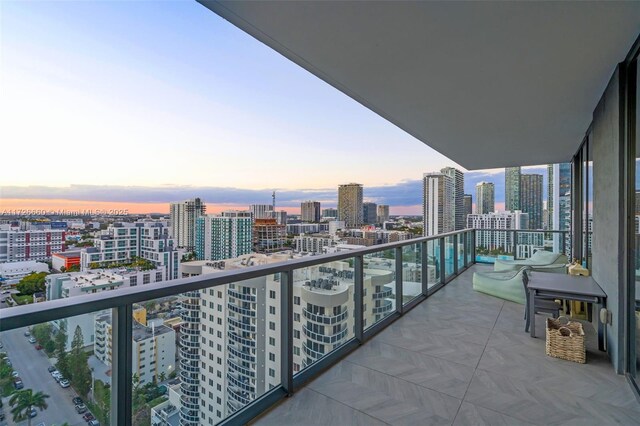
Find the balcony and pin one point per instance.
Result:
(461, 357)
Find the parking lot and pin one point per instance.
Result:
(31, 366)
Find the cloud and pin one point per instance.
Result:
(404, 193)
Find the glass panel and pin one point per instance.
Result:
(494, 244)
(530, 242)
(379, 286)
(461, 250)
(635, 289)
(433, 267)
(411, 272)
(63, 364)
(323, 311)
(201, 356)
(448, 256)
(469, 241)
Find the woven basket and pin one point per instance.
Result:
(565, 340)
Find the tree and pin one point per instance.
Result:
(6, 382)
(162, 376)
(22, 401)
(32, 283)
(61, 352)
(102, 398)
(78, 358)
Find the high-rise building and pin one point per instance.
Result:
(485, 198)
(183, 221)
(224, 236)
(559, 204)
(268, 236)
(512, 188)
(369, 213)
(468, 205)
(261, 211)
(350, 204)
(330, 212)
(458, 195)
(383, 213)
(310, 211)
(280, 216)
(438, 204)
(494, 241)
(241, 324)
(531, 198)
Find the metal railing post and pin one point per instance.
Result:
(121, 365)
(443, 266)
(424, 260)
(286, 331)
(514, 236)
(399, 304)
(358, 295)
(473, 246)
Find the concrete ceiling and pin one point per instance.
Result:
(487, 84)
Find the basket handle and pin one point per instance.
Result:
(563, 320)
(565, 331)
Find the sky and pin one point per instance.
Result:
(132, 105)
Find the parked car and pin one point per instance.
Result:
(51, 369)
(88, 417)
(77, 400)
(81, 408)
(38, 347)
(93, 423)
(9, 363)
(56, 375)
(14, 373)
(33, 412)
(17, 383)
(32, 340)
(64, 383)
(27, 333)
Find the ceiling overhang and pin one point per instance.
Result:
(487, 84)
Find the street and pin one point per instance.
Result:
(32, 365)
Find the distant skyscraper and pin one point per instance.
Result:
(183, 221)
(468, 205)
(350, 204)
(268, 236)
(559, 204)
(369, 213)
(485, 198)
(438, 204)
(223, 236)
(512, 188)
(310, 211)
(458, 194)
(330, 212)
(531, 198)
(383, 213)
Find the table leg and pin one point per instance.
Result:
(532, 312)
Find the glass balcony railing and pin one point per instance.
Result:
(232, 344)
(509, 244)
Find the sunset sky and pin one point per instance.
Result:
(135, 104)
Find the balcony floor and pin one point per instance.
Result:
(461, 358)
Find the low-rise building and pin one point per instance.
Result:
(15, 271)
(65, 260)
(17, 245)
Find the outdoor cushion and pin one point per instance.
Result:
(540, 261)
(502, 284)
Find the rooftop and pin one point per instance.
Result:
(461, 357)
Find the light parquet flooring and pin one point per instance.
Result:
(461, 358)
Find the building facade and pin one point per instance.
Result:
(18, 245)
(183, 216)
(223, 236)
(350, 204)
(531, 199)
(485, 198)
(310, 211)
(438, 204)
(329, 213)
(512, 188)
(383, 213)
(369, 213)
(458, 196)
(468, 206)
(268, 236)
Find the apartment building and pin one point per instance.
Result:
(153, 352)
(223, 236)
(238, 327)
(382, 213)
(122, 241)
(350, 204)
(183, 216)
(310, 211)
(17, 245)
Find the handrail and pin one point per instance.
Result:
(26, 315)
